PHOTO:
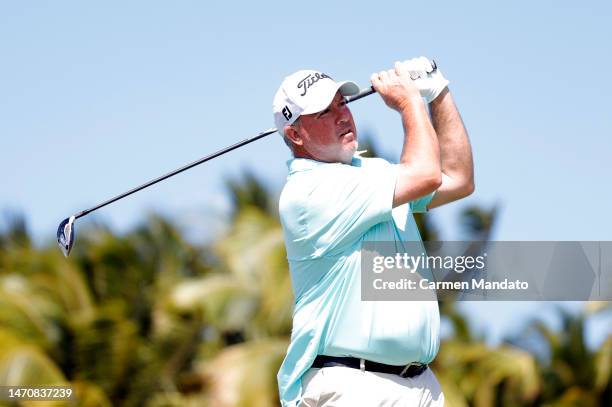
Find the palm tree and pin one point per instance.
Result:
(147, 318)
(572, 374)
(247, 302)
(96, 320)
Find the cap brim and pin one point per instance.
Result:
(346, 88)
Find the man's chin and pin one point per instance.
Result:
(347, 156)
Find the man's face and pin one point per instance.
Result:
(329, 135)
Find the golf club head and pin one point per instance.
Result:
(65, 235)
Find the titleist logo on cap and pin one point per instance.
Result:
(310, 80)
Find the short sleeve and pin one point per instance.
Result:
(420, 205)
(339, 204)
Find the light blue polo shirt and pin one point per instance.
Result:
(327, 210)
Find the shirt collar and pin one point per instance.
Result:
(306, 164)
(303, 164)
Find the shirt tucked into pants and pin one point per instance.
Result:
(344, 386)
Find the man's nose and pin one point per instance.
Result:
(343, 115)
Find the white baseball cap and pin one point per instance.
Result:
(306, 92)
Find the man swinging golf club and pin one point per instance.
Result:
(344, 351)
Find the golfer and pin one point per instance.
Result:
(344, 351)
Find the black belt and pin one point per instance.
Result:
(411, 370)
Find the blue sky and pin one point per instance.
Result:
(98, 98)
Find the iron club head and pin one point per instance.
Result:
(65, 235)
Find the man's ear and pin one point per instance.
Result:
(292, 134)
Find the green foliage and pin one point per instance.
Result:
(147, 318)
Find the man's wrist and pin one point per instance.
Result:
(440, 97)
(410, 102)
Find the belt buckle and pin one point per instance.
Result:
(408, 366)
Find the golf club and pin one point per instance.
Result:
(66, 231)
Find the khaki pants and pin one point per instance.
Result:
(343, 386)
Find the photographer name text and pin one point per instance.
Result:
(473, 284)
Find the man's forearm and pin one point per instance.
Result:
(420, 146)
(419, 169)
(455, 149)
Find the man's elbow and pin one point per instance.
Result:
(467, 189)
(436, 181)
(431, 176)
(470, 185)
(463, 184)
(432, 181)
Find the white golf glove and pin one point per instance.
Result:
(431, 84)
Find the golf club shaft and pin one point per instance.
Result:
(177, 171)
(363, 93)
